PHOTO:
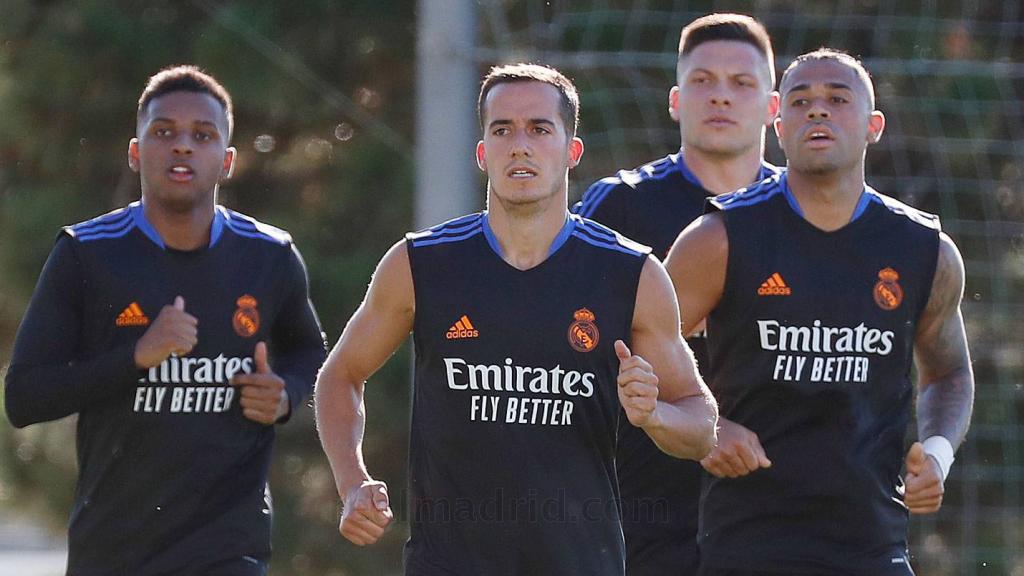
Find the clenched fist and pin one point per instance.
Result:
(638, 387)
(738, 452)
(173, 332)
(924, 487)
(263, 396)
(366, 513)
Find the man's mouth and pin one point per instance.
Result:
(520, 173)
(181, 173)
(719, 121)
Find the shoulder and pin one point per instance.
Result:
(601, 236)
(949, 268)
(704, 244)
(897, 208)
(627, 183)
(113, 224)
(753, 195)
(454, 230)
(249, 227)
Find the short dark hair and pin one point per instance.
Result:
(824, 53)
(186, 78)
(570, 99)
(736, 27)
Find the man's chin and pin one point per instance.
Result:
(714, 147)
(177, 201)
(818, 168)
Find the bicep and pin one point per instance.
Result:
(697, 265)
(380, 324)
(940, 345)
(656, 334)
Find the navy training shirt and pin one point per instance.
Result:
(811, 348)
(172, 476)
(652, 204)
(515, 402)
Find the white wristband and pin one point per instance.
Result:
(942, 450)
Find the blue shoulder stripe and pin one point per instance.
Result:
(451, 231)
(601, 236)
(594, 195)
(249, 227)
(113, 224)
(895, 206)
(657, 170)
(599, 191)
(755, 194)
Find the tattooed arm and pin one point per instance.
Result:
(945, 380)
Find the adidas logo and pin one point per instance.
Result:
(132, 316)
(774, 286)
(462, 329)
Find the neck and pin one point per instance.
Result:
(525, 237)
(181, 230)
(720, 174)
(827, 200)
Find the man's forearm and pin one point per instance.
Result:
(340, 416)
(43, 392)
(686, 427)
(944, 406)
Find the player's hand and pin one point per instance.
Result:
(263, 396)
(638, 387)
(738, 453)
(923, 485)
(173, 332)
(366, 513)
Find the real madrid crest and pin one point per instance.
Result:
(246, 319)
(583, 333)
(888, 293)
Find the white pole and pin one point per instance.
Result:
(446, 126)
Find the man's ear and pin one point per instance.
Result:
(229, 163)
(774, 102)
(133, 154)
(777, 124)
(575, 151)
(673, 103)
(876, 125)
(481, 156)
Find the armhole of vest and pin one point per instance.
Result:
(636, 294)
(730, 262)
(933, 267)
(413, 272)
